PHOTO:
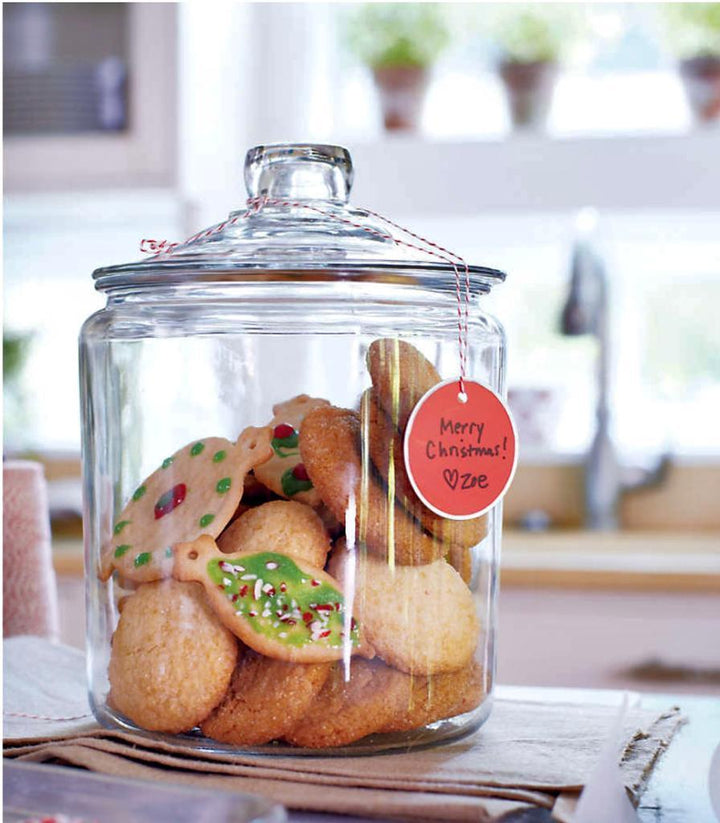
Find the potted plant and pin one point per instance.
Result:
(530, 40)
(694, 32)
(399, 42)
(15, 419)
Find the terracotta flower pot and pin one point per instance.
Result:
(701, 78)
(402, 95)
(529, 88)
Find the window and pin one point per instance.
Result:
(64, 68)
(618, 78)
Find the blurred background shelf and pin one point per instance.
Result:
(622, 561)
(539, 173)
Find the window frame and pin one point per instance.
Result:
(144, 155)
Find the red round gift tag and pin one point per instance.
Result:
(460, 456)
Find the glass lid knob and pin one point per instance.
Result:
(299, 171)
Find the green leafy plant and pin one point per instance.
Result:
(15, 348)
(529, 33)
(16, 417)
(692, 29)
(391, 35)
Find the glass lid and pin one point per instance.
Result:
(297, 225)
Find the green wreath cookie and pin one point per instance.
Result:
(275, 604)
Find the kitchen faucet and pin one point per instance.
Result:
(586, 311)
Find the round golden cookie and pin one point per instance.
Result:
(347, 709)
(461, 560)
(330, 447)
(195, 491)
(438, 697)
(385, 445)
(282, 526)
(477, 687)
(419, 619)
(285, 473)
(171, 659)
(400, 375)
(266, 699)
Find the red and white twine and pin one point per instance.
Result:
(45, 717)
(462, 284)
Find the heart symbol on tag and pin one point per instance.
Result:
(450, 476)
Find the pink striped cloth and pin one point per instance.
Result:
(29, 585)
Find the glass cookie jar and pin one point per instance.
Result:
(261, 571)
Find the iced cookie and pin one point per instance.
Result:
(266, 699)
(279, 607)
(285, 473)
(349, 708)
(171, 659)
(385, 445)
(419, 619)
(442, 695)
(282, 526)
(400, 375)
(330, 447)
(195, 491)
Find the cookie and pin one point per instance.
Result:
(280, 607)
(461, 560)
(266, 699)
(385, 446)
(419, 619)
(330, 448)
(195, 491)
(254, 493)
(477, 686)
(285, 473)
(333, 526)
(438, 697)
(282, 526)
(349, 708)
(171, 659)
(400, 375)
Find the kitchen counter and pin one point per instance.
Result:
(624, 560)
(655, 561)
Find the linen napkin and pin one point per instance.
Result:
(528, 754)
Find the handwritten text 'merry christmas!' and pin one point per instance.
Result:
(473, 431)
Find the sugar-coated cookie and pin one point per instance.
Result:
(282, 526)
(278, 606)
(285, 473)
(330, 448)
(400, 375)
(419, 619)
(439, 696)
(171, 659)
(195, 491)
(385, 445)
(354, 702)
(266, 699)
